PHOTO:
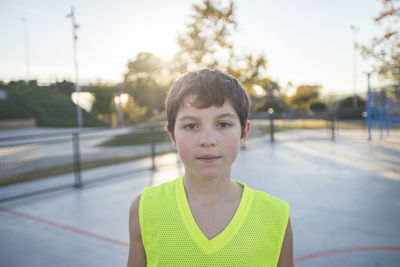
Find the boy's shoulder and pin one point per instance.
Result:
(163, 188)
(265, 199)
(156, 200)
(268, 208)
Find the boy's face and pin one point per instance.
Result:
(208, 139)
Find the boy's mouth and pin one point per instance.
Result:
(208, 158)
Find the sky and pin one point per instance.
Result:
(304, 41)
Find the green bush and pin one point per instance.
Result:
(318, 105)
(51, 106)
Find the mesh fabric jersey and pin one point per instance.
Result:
(171, 236)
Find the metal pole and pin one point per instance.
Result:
(121, 108)
(333, 127)
(380, 114)
(271, 127)
(387, 119)
(77, 160)
(74, 41)
(355, 30)
(271, 124)
(26, 49)
(153, 147)
(369, 109)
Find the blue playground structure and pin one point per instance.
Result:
(383, 109)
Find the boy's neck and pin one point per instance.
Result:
(210, 187)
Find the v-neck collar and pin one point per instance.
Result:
(210, 246)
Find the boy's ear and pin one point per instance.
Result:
(171, 136)
(245, 133)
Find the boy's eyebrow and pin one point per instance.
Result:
(226, 115)
(188, 117)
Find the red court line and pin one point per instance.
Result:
(65, 227)
(346, 250)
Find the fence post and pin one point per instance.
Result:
(387, 119)
(333, 127)
(77, 160)
(271, 125)
(153, 147)
(380, 120)
(369, 109)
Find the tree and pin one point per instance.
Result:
(317, 105)
(346, 110)
(65, 87)
(347, 102)
(147, 81)
(103, 104)
(304, 94)
(207, 39)
(208, 42)
(273, 97)
(249, 71)
(386, 49)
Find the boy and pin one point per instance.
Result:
(205, 218)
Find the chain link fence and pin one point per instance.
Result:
(41, 163)
(46, 162)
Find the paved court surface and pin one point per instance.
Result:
(344, 198)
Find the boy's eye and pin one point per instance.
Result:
(224, 124)
(190, 126)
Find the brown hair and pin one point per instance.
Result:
(211, 88)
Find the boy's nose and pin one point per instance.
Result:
(207, 139)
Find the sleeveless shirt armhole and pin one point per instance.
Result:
(141, 219)
(283, 230)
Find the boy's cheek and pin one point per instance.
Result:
(184, 153)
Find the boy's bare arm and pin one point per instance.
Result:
(137, 255)
(286, 257)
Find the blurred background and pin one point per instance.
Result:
(122, 57)
(83, 83)
(82, 88)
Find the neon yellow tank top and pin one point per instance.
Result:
(171, 236)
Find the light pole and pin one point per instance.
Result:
(26, 49)
(74, 40)
(355, 30)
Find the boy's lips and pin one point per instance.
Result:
(208, 158)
